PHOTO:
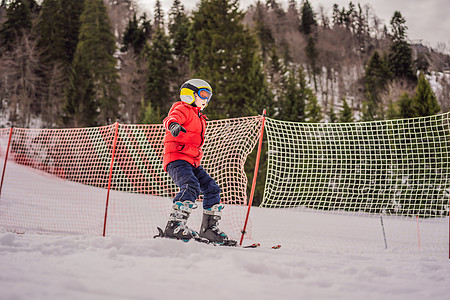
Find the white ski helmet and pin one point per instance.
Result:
(197, 86)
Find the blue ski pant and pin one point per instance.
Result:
(193, 182)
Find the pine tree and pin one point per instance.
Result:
(346, 114)
(312, 55)
(96, 48)
(149, 114)
(160, 67)
(178, 32)
(81, 107)
(425, 101)
(54, 32)
(19, 20)
(406, 109)
(392, 111)
(49, 30)
(332, 117)
(71, 11)
(159, 15)
(293, 97)
(376, 76)
(159, 59)
(369, 109)
(136, 34)
(400, 57)
(262, 31)
(361, 30)
(336, 16)
(178, 29)
(225, 54)
(313, 109)
(308, 20)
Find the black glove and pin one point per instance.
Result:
(175, 129)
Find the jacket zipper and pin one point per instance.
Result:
(201, 134)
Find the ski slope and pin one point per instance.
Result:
(92, 267)
(318, 259)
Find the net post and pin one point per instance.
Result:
(255, 174)
(6, 159)
(110, 176)
(384, 233)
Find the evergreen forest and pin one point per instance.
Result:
(75, 63)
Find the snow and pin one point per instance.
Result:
(317, 258)
(87, 267)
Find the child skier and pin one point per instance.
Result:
(185, 133)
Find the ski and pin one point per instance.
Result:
(257, 245)
(197, 238)
(227, 243)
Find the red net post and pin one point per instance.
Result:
(110, 176)
(6, 159)
(255, 175)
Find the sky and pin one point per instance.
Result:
(428, 21)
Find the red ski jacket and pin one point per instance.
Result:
(186, 146)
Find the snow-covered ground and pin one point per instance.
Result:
(85, 267)
(322, 255)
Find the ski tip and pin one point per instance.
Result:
(255, 245)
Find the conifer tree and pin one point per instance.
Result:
(81, 107)
(376, 76)
(406, 109)
(400, 56)
(158, 21)
(224, 53)
(149, 113)
(313, 109)
(346, 114)
(369, 109)
(160, 67)
(49, 30)
(54, 33)
(332, 117)
(392, 111)
(294, 95)
(178, 29)
(136, 34)
(71, 11)
(425, 101)
(336, 15)
(96, 48)
(262, 31)
(312, 55)
(178, 32)
(159, 59)
(308, 19)
(19, 20)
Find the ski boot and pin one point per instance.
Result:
(210, 226)
(176, 227)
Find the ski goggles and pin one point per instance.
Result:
(205, 94)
